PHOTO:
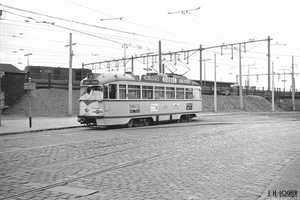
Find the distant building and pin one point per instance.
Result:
(12, 83)
(55, 77)
(222, 87)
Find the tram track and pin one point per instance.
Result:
(77, 160)
(161, 126)
(175, 148)
(153, 158)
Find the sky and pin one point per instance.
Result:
(101, 29)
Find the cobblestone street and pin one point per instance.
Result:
(224, 156)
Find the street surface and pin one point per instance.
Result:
(222, 156)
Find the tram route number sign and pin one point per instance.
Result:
(29, 86)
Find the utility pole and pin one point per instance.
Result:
(284, 80)
(132, 64)
(125, 46)
(204, 60)
(269, 62)
(241, 83)
(215, 85)
(70, 75)
(273, 88)
(2, 102)
(29, 54)
(159, 58)
(293, 84)
(200, 51)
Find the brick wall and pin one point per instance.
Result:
(13, 86)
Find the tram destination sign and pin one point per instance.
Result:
(90, 82)
(166, 79)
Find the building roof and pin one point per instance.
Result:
(218, 82)
(10, 69)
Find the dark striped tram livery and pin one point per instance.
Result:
(126, 99)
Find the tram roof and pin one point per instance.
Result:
(104, 78)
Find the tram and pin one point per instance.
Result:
(126, 99)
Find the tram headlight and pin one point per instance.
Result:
(86, 110)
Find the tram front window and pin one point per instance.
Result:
(93, 92)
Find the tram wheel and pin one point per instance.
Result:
(189, 118)
(130, 124)
(146, 122)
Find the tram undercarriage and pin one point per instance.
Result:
(135, 122)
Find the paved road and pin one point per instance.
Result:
(230, 156)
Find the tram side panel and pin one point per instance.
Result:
(120, 112)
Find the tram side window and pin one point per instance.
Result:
(179, 93)
(122, 91)
(159, 92)
(134, 92)
(147, 92)
(105, 95)
(112, 91)
(170, 93)
(189, 93)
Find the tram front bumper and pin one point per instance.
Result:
(86, 120)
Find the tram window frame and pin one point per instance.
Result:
(170, 92)
(134, 92)
(88, 89)
(105, 92)
(113, 91)
(122, 91)
(159, 92)
(147, 92)
(179, 93)
(189, 93)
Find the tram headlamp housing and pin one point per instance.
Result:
(86, 110)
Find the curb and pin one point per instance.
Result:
(39, 130)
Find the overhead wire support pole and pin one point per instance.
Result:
(241, 83)
(70, 88)
(29, 54)
(215, 84)
(293, 85)
(159, 58)
(269, 62)
(200, 55)
(273, 88)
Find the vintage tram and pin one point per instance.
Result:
(127, 99)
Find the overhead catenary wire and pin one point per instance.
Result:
(124, 39)
(63, 27)
(101, 27)
(141, 25)
(29, 27)
(204, 28)
(225, 25)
